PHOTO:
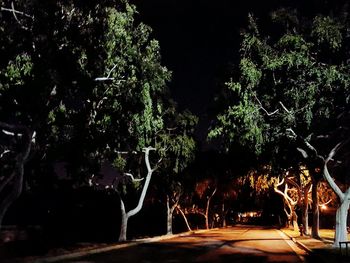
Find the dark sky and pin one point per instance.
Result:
(198, 39)
(199, 42)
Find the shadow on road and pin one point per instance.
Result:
(185, 252)
(326, 255)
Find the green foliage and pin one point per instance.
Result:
(177, 141)
(286, 80)
(327, 31)
(49, 81)
(18, 70)
(119, 163)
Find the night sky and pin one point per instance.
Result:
(198, 39)
(199, 42)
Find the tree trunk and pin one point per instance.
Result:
(184, 217)
(305, 218)
(126, 216)
(207, 209)
(341, 233)
(124, 222)
(170, 211)
(305, 210)
(223, 214)
(315, 210)
(295, 220)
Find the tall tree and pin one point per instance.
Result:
(86, 77)
(292, 83)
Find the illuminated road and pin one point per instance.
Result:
(235, 244)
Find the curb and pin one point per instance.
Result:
(301, 245)
(93, 251)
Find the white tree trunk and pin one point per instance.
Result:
(124, 222)
(170, 211)
(184, 217)
(126, 216)
(290, 203)
(342, 211)
(207, 209)
(341, 233)
(295, 220)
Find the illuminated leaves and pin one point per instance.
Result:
(17, 71)
(327, 31)
(288, 68)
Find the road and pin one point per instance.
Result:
(234, 244)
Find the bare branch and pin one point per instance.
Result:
(12, 10)
(279, 183)
(303, 152)
(325, 203)
(327, 175)
(262, 107)
(133, 178)
(4, 152)
(11, 133)
(108, 76)
(292, 132)
(15, 12)
(284, 107)
(125, 152)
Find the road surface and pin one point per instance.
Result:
(233, 244)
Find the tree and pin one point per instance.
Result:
(178, 140)
(126, 215)
(341, 231)
(292, 84)
(290, 198)
(87, 78)
(127, 113)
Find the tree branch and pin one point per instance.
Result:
(327, 175)
(4, 152)
(133, 178)
(15, 12)
(262, 107)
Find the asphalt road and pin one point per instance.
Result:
(234, 244)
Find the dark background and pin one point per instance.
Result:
(199, 42)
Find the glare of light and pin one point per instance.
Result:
(323, 207)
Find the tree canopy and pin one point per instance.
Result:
(289, 82)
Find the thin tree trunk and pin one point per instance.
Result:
(124, 222)
(315, 210)
(170, 211)
(184, 217)
(305, 209)
(295, 220)
(223, 214)
(207, 209)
